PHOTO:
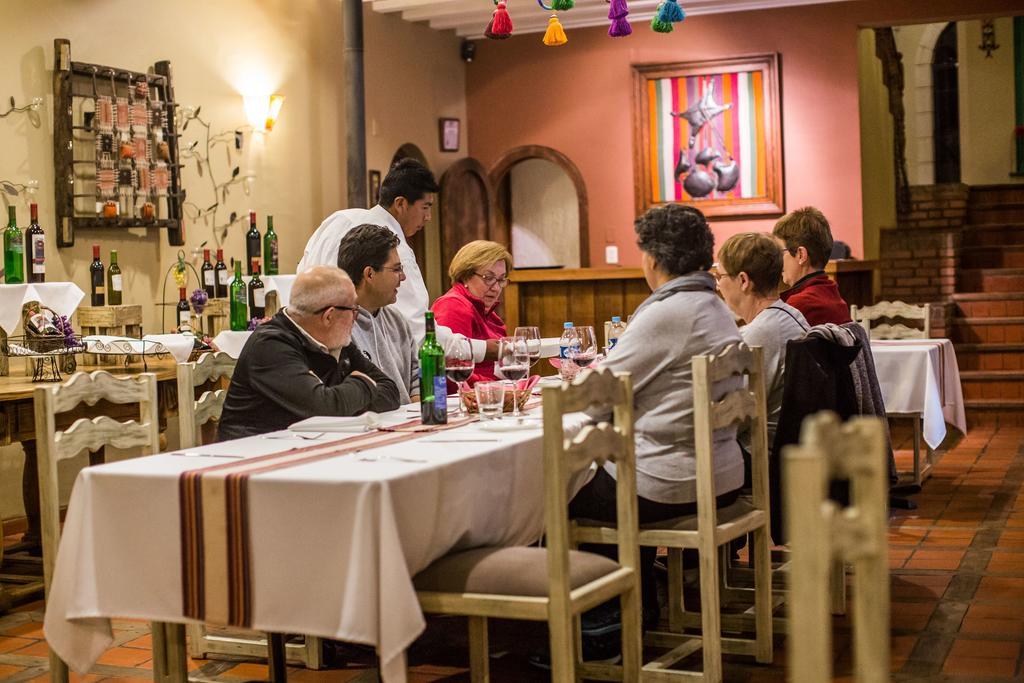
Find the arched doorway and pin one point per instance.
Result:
(418, 242)
(466, 210)
(946, 110)
(541, 205)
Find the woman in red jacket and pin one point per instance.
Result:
(479, 273)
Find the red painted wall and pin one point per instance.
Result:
(578, 99)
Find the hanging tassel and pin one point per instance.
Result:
(500, 25)
(555, 35)
(670, 12)
(562, 5)
(659, 26)
(617, 12)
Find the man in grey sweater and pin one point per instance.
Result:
(369, 254)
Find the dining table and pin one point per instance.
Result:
(315, 530)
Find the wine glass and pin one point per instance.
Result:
(458, 363)
(585, 352)
(532, 337)
(514, 363)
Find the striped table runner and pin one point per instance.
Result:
(214, 508)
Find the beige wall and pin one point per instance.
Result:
(221, 51)
(545, 215)
(876, 146)
(986, 105)
(917, 43)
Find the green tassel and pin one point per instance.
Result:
(562, 5)
(660, 26)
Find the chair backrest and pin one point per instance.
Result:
(193, 414)
(599, 392)
(53, 445)
(892, 310)
(819, 532)
(748, 401)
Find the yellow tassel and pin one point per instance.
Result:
(555, 35)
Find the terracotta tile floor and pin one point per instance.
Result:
(957, 565)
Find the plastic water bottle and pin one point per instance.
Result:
(615, 330)
(566, 340)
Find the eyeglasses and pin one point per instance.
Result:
(394, 269)
(339, 308)
(490, 280)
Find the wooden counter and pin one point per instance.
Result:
(590, 296)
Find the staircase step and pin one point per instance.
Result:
(994, 411)
(991, 280)
(991, 194)
(1002, 256)
(997, 329)
(978, 212)
(989, 357)
(995, 304)
(993, 384)
(992, 234)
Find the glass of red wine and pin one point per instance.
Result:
(458, 362)
(514, 363)
(532, 337)
(584, 353)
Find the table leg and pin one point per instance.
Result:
(169, 662)
(276, 658)
(30, 496)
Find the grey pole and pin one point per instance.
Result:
(355, 103)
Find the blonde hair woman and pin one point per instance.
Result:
(479, 273)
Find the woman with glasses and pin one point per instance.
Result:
(479, 273)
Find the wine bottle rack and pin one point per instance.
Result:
(136, 151)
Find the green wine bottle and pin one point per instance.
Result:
(239, 301)
(14, 250)
(433, 384)
(270, 249)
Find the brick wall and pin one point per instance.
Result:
(918, 259)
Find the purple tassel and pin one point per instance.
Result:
(617, 12)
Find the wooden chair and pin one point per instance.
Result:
(192, 415)
(556, 584)
(54, 445)
(712, 529)
(890, 310)
(821, 534)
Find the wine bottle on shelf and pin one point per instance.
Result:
(222, 276)
(433, 385)
(238, 306)
(96, 278)
(35, 248)
(114, 280)
(252, 242)
(184, 313)
(208, 276)
(257, 293)
(14, 250)
(270, 248)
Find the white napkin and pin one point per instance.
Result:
(178, 345)
(61, 297)
(326, 423)
(283, 285)
(231, 342)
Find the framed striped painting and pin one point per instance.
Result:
(709, 134)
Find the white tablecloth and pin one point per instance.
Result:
(921, 376)
(62, 297)
(282, 284)
(231, 342)
(334, 543)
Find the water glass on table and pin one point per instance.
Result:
(458, 362)
(514, 363)
(584, 352)
(490, 398)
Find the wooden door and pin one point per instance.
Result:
(466, 210)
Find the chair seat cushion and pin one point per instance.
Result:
(741, 507)
(517, 571)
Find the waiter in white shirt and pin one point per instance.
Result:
(406, 198)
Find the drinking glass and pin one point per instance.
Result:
(584, 353)
(532, 337)
(514, 363)
(490, 398)
(458, 363)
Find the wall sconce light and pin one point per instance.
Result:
(262, 111)
(988, 38)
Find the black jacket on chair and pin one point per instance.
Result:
(283, 377)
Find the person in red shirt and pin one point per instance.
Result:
(479, 273)
(805, 239)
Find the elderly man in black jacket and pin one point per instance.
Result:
(303, 363)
